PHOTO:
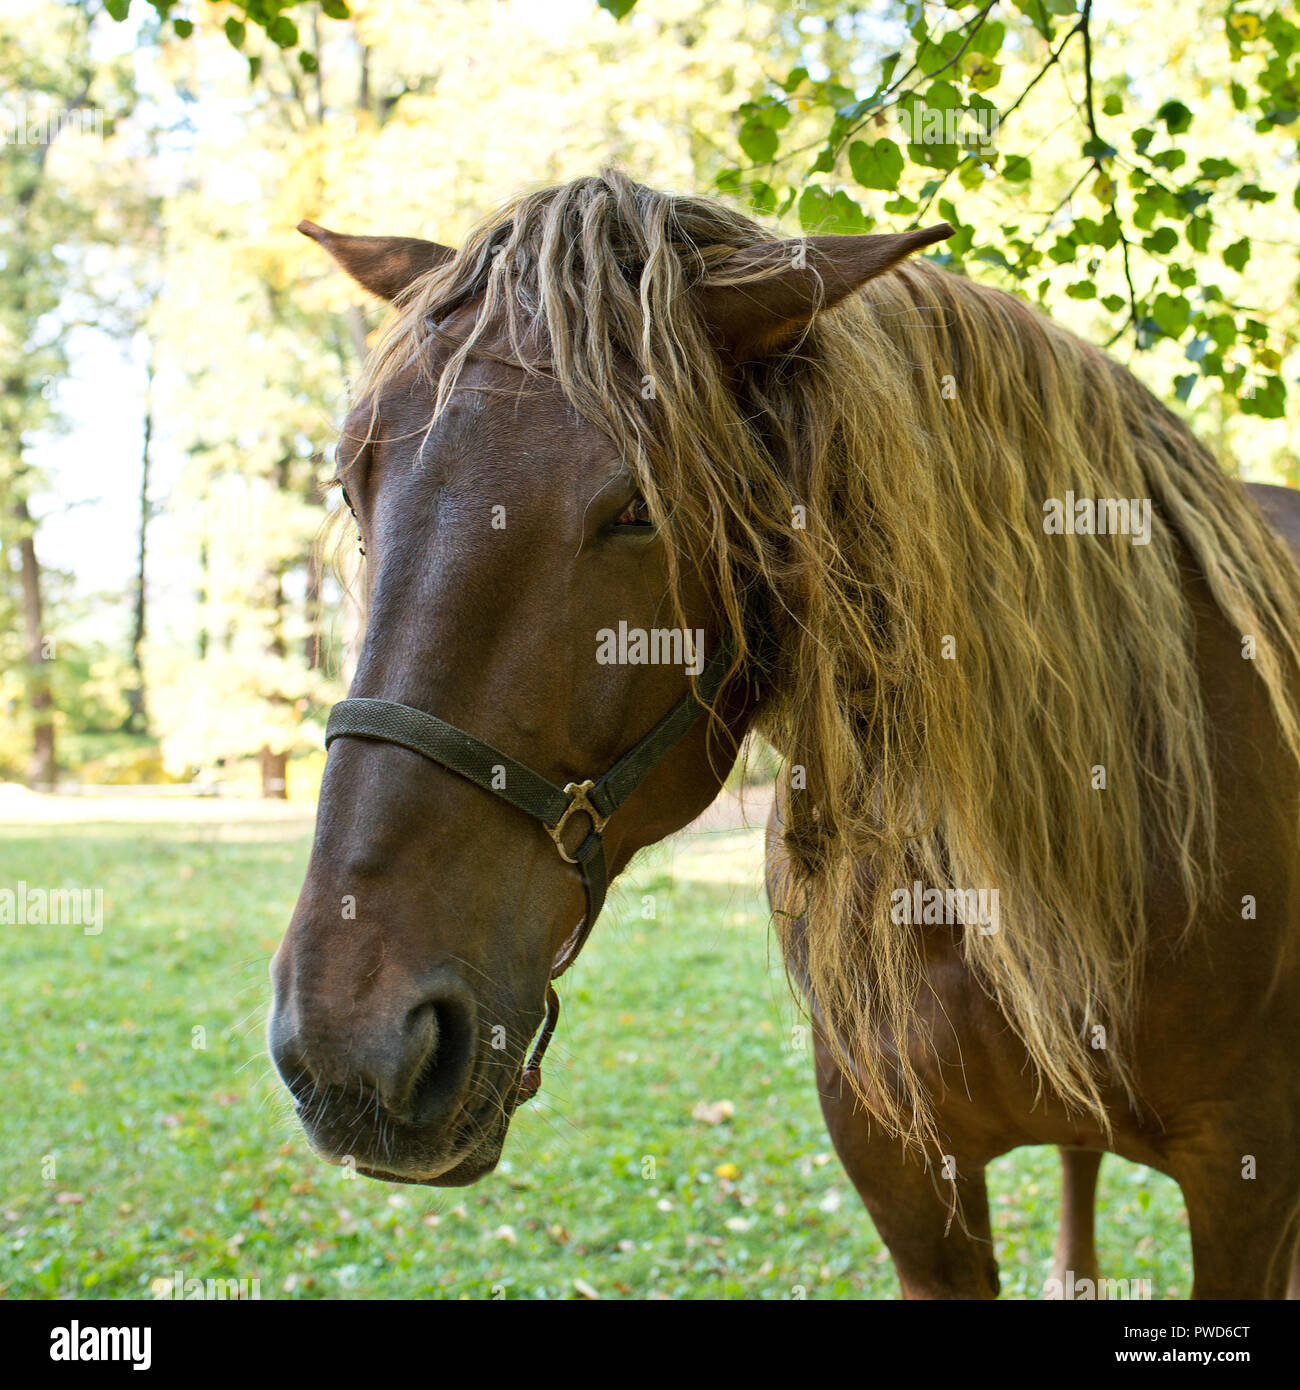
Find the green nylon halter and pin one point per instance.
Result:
(385, 721)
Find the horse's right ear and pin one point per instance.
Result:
(384, 265)
(763, 297)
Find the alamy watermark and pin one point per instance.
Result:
(1098, 516)
(36, 125)
(178, 1288)
(90, 1343)
(1075, 1287)
(656, 646)
(922, 906)
(22, 906)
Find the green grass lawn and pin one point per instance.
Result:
(129, 1154)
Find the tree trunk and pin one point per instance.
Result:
(312, 642)
(275, 767)
(39, 655)
(138, 719)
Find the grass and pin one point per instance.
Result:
(135, 1147)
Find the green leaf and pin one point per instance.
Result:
(845, 217)
(940, 156)
(618, 8)
(970, 174)
(1063, 251)
(824, 162)
(235, 32)
(878, 165)
(987, 39)
(1236, 255)
(1082, 289)
(942, 96)
(762, 197)
(1267, 401)
(758, 140)
(282, 32)
(307, 61)
(796, 78)
(1222, 330)
(1198, 233)
(1113, 105)
(1176, 117)
(814, 208)
(1161, 242)
(1172, 312)
(183, 27)
(117, 8)
(337, 9)
(1183, 386)
(1017, 169)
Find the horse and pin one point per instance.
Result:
(1028, 653)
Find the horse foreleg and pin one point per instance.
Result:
(1244, 1229)
(1075, 1237)
(933, 1217)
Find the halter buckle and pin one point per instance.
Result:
(579, 794)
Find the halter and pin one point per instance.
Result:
(385, 721)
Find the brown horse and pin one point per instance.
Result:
(877, 490)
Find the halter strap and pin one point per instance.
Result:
(386, 721)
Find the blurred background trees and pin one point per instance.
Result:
(176, 359)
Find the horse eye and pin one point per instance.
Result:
(636, 513)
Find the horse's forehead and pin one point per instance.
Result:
(498, 425)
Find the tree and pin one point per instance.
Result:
(421, 110)
(46, 77)
(1141, 180)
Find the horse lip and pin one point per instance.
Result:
(457, 1165)
(459, 1171)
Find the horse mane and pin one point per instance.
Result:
(941, 676)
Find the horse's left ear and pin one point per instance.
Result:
(770, 292)
(384, 265)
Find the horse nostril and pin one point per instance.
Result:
(448, 1054)
(415, 1065)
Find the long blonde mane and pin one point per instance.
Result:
(943, 678)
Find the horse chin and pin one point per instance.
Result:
(425, 1165)
(463, 1173)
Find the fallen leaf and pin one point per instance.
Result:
(714, 1112)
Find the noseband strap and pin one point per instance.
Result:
(385, 721)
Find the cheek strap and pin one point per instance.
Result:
(385, 721)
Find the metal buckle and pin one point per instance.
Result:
(579, 800)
